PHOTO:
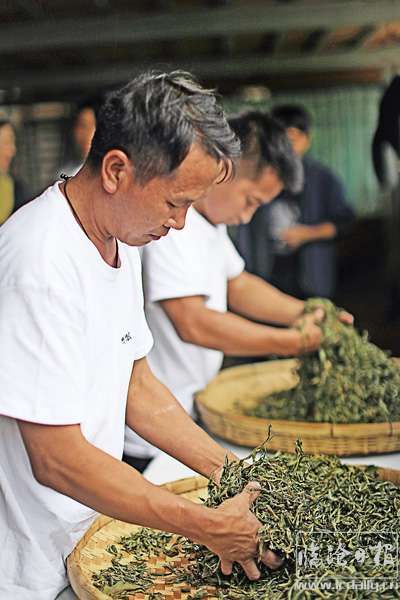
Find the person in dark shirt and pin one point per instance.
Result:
(290, 242)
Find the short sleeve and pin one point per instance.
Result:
(234, 262)
(173, 267)
(42, 350)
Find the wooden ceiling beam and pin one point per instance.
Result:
(213, 69)
(201, 23)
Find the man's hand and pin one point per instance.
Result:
(301, 234)
(233, 535)
(296, 236)
(318, 315)
(313, 318)
(304, 336)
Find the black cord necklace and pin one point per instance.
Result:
(66, 178)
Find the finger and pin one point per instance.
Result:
(250, 493)
(346, 318)
(216, 475)
(251, 570)
(271, 560)
(226, 567)
(319, 314)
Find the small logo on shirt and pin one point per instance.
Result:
(126, 338)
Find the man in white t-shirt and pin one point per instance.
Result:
(198, 298)
(73, 341)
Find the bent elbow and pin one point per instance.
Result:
(188, 332)
(44, 472)
(41, 473)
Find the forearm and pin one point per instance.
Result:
(322, 231)
(237, 336)
(253, 297)
(167, 426)
(105, 484)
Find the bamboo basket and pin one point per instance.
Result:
(90, 554)
(248, 383)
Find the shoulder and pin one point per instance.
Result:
(178, 264)
(34, 243)
(177, 245)
(315, 168)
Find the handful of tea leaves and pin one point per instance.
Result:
(331, 522)
(348, 380)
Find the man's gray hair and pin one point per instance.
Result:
(156, 118)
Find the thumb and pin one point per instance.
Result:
(250, 492)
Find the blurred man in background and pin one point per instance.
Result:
(81, 134)
(291, 241)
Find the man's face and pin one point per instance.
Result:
(147, 212)
(84, 129)
(300, 140)
(235, 202)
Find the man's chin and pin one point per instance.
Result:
(137, 242)
(144, 239)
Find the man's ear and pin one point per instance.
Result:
(116, 169)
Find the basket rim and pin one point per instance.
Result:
(392, 427)
(389, 428)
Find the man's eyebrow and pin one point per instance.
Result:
(193, 200)
(184, 201)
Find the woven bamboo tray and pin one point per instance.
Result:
(90, 554)
(248, 383)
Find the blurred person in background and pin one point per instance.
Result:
(82, 131)
(290, 242)
(13, 193)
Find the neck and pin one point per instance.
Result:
(86, 201)
(201, 206)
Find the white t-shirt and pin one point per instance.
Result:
(196, 261)
(71, 327)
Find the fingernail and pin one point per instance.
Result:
(254, 484)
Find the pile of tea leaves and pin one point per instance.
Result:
(333, 523)
(348, 380)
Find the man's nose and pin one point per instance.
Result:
(179, 218)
